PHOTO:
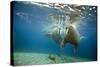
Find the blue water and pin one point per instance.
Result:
(29, 36)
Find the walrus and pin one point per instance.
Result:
(72, 37)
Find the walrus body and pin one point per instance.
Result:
(72, 37)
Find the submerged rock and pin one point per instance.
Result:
(52, 58)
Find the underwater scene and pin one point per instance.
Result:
(52, 33)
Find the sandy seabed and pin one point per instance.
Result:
(21, 59)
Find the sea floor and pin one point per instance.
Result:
(21, 59)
